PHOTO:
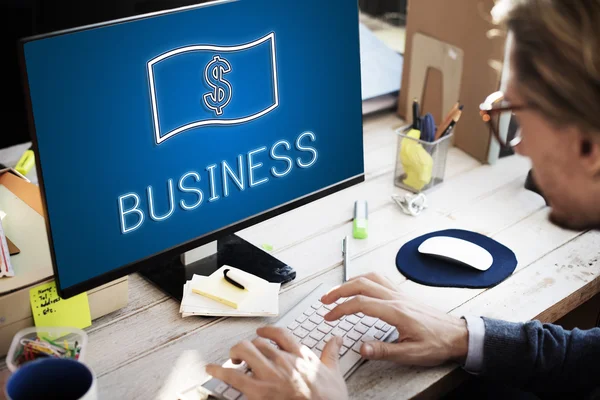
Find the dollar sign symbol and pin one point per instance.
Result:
(221, 93)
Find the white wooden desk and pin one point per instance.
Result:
(147, 351)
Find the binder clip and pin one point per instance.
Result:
(411, 204)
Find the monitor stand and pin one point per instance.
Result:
(230, 250)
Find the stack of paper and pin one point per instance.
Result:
(259, 298)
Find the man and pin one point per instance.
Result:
(554, 92)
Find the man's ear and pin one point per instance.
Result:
(589, 153)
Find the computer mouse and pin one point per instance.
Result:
(458, 251)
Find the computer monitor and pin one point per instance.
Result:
(161, 133)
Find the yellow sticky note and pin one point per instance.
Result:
(49, 309)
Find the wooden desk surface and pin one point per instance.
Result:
(147, 351)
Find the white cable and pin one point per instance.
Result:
(411, 204)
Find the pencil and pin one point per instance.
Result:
(452, 123)
(444, 125)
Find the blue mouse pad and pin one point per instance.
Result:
(431, 271)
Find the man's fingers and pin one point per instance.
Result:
(330, 356)
(284, 339)
(359, 286)
(246, 351)
(272, 353)
(403, 353)
(377, 308)
(377, 278)
(235, 378)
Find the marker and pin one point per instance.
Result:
(26, 162)
(234, 283)
(360, 223)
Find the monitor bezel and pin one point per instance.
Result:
(166, 255)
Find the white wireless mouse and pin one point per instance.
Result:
(457, 250)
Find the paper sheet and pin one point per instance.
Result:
(263, 300)
(381, 67)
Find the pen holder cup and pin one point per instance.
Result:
(420, 165)
(33, 343)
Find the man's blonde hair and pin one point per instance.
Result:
(556, 57)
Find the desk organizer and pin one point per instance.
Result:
(420, 165)
(33, 343)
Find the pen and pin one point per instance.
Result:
(234, 283)
(416, 120)
(345, 253)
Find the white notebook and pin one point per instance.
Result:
(262, 299)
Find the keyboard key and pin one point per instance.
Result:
(386, 327)
(320, 346)
(301, 332)
(330, 306)
(317, 305)
(317, 352)
(333, 323)
(343, 350)
(368, 321)
(357, 346)
(301, 318)
(367, 338)
(317, 335)
(348, 342)
(221, 388)
(327, 337)
(345, 326)
(352, 319)
(322, 311)
(349, 360)
(354, 335)
(338, 332)
(309, 326)
(324, 328)
(309, 342)
(293, 325)
(361, 328)
(360, 315)
(231, 394)
(243, 397)
(340, 300)
(379, 335)
(379, 324)
(315, 319)
(309, 312)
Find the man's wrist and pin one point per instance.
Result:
(460, 341)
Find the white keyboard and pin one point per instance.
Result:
(305, 321)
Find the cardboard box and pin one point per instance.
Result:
(25, 226)
(463, 24)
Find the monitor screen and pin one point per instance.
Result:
(157, 134)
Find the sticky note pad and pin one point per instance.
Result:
(217, 288)
(50, 310)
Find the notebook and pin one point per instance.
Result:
(209, 295)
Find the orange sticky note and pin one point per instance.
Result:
(49, 309)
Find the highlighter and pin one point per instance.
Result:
(360, 224)
(26, 162)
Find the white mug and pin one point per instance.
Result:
(52, 378)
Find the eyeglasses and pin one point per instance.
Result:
(495, 109)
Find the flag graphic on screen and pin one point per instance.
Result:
(202, 85)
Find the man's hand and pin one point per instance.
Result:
(291, 372)
(427, 337)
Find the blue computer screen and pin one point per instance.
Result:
(154, 131)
